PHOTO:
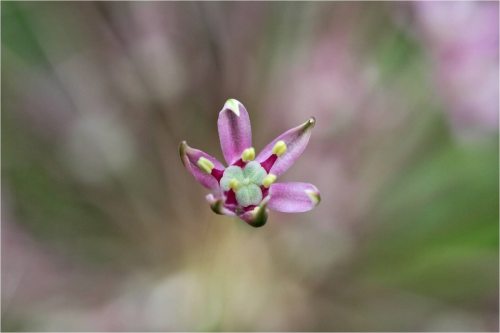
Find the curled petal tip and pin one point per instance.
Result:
(314, 196)
(182, 146)
(182, 151)
(217, 206)
(233, 105)
(311, 122)
(258, 216)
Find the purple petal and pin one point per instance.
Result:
(190, 157)
(293, 197)
(235, 132)
(296, 140)
(217, 205)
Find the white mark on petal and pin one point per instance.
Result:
(313, 196)
(233, 105)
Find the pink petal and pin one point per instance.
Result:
(235, 132)
(293, 197)
(190, 157)
(296, 140)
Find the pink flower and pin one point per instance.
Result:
(247, 188)
(463, 39)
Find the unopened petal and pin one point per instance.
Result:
(288, 147)
(235, 132)
(217, 205)
(293, 197)
(195, 162)
(257, 217)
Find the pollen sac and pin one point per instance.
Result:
(268, 180)
(279, 148)
(206, 165)
(248, 155)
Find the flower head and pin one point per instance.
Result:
(247, 188)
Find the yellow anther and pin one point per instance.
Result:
(268, 180)
(234, 184)
(205, 164)
(279, 148)
(248, 154)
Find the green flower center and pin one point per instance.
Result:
(245, 182)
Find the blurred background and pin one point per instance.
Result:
(104, 230)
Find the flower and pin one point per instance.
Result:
(247, 188)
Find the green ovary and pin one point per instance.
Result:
(249, 195)
(249, 180)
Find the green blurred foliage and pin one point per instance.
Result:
(436, 226)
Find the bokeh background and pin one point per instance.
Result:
(103, 229)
